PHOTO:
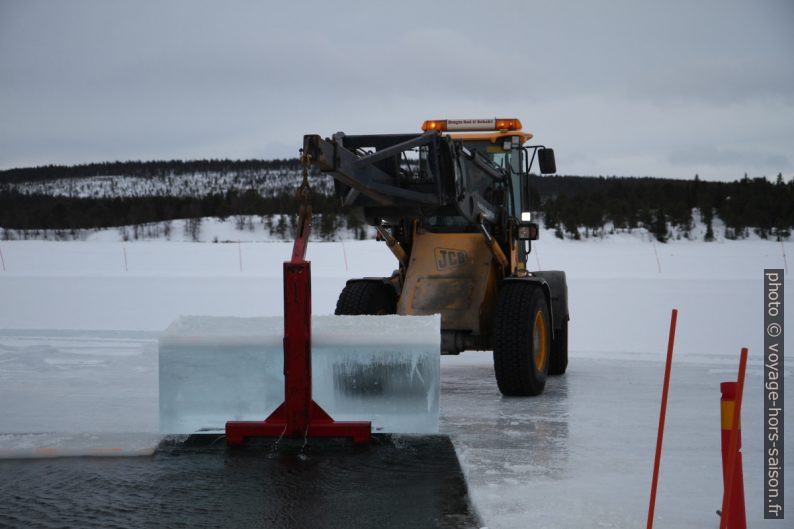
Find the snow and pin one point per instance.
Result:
(364, 368)
(78, 358)
(84, 285)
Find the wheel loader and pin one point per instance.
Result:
(452, 205)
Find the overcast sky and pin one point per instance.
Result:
(617, 88)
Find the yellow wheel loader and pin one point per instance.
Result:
(452, 204)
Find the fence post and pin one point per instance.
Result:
(658, 262)
(662, 413)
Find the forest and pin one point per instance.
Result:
(145, 169)
(574, 206)
(571, 202)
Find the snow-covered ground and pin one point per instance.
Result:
(78, 359)
(621, 289)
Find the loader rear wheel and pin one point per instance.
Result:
(521, 340)
(559, 351)
(366, 297)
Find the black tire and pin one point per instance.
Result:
(559, 351)
(521, 340)
(366, 297)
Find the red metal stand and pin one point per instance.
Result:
(298, 416)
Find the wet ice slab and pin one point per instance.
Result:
(97, 444)
(383, 369)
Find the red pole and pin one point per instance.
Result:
(297, 346)
(662, 413)
(733, 512)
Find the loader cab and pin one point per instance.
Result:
(504, 152)
(498, 142)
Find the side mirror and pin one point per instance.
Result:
(546, 161)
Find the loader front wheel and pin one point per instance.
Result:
(521, 340)
(366, 297)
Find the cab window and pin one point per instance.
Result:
(509, 160)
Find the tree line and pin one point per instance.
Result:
(573, 206)
(144, 169)
(21, 211)
(570, 204)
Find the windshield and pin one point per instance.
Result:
(509, 160)
(496, 153)
(481, 181)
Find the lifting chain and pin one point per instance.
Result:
(303, 196)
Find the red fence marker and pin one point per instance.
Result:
(733, 512)
(662, 413)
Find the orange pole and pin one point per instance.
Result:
(662, 414)
(733, 447)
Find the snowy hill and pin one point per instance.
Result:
(266, 182)
(154, 199)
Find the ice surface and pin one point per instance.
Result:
(580, 455)
(77, 393)
(383, 369)
(77, 382)
(50, 444)
(582, 451)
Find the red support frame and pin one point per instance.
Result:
(298, 416)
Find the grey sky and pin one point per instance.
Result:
(625, 88)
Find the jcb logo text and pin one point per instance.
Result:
(446, 258)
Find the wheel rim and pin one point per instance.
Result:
(540, 342)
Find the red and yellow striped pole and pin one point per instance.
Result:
(733, 513)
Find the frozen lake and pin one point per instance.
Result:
(582, 450)
(78, 366)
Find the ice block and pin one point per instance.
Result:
(383, 369)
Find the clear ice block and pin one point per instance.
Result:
(383, 369)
